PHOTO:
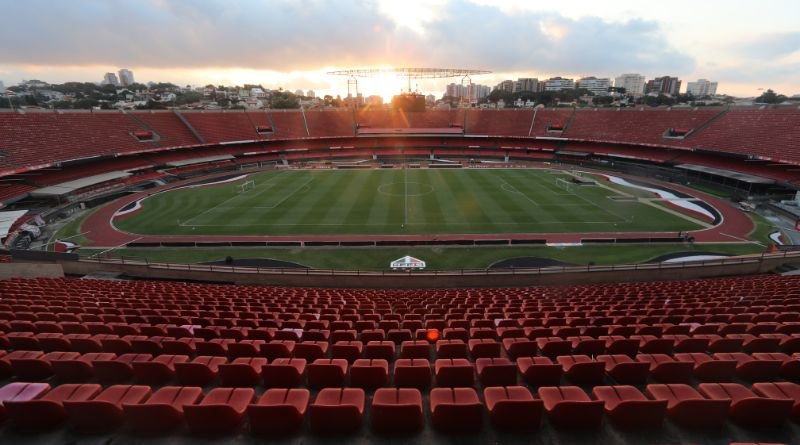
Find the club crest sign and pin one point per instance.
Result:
(407, 263)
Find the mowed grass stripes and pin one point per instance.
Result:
(413, 201)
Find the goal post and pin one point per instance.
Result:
(564, 184)
(247, 185)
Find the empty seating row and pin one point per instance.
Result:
(373, 372)
(91, 409)
(238, 342)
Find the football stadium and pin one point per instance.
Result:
(413, 272)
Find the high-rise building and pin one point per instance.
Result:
(2, 86)
(598, 87)
(455, 90)
(558, 84)
(633, 83)
(702, 87)
(125, 77)
(472, 91)
(506, 85)
(664, 85)
(110, 79)
(311, 94)
(526, 84)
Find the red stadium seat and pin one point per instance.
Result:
(513, 407)
(34, 365)
(163, 411)
(748, 408)
(581, 369)
(484, 348)
(327, 372)
(790, 365)
(496, 372)
(201, 371)
(454, 372)
(348, 350)
(539, 371)
(104, 413)
(278, 349)
(624, 369)
(279, 411)
(415, 349)
(570, 407)
(369, 373)
(629, 408)
(20, 392)
(688, 408)
(47, 411)
(665, 369)
(220, 411)
(337, 410)
(311, 350)
(455, 409)
(451, 349)
(552, 347)
(619, 345)
(412, 373)
(781, 390)
(380, 349)
(709, 369)
(585, 345)
(397, 410)
(284, 372)
(752, 369)
(119, 369)
(159, 370)
(242, 372)
(520, 347)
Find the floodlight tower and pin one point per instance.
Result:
(408, 74)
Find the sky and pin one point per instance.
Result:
(746, 46)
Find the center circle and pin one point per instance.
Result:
(405, 189)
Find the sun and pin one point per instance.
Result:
(384, 85)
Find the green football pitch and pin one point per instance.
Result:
(401, 201)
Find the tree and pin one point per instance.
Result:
(770, 97)
(602, 100)
(188, 98)
(496, 95)
(284, 99)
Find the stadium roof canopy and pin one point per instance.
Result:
(182, 162)
(750, 179)
(409, 73)
(70, 186)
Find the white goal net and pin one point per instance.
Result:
(565, 184)
(247, 185)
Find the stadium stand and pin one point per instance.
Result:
(639, 126)
(66, 136)
(499, 123)
(740, 136)
(167, 125)
(330, 123)
(222, 127)
(768, 134)
(290, 124)
(93, 357)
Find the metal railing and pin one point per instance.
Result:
(738, 260)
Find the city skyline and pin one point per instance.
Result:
(280, 44)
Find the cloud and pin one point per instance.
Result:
(290, 35)
(769, 46)
(550, 42)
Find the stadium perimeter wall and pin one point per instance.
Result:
(30, 270)
(747, 265)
